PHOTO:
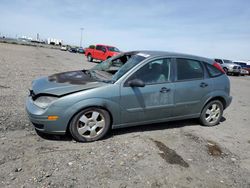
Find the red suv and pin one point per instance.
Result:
(101, 52)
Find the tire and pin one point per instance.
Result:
(211, 113)
(237, 74)
(225, 69)
(90, 124)
(108, 57)
(89, 57)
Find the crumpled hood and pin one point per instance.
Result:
(64, 83)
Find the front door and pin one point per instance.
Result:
(99, 52)
(152, 102)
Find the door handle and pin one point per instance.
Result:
(203, 84)
(164, 90)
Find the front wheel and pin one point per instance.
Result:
(90, 124)
(211, 113)
(89, 57)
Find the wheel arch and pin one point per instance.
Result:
(219, 98)
(101, 105)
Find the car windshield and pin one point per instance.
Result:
(113, 49)
(227, 61)
(241, 64)
(133, 61)
(114, 68)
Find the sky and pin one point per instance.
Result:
(214, 28)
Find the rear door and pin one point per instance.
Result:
(191, 87)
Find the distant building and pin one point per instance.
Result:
(53, 41)
(25, 38)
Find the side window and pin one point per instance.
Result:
(188, 69)
(103, 48)
(98, 47)
(213, 71)
(154, 72)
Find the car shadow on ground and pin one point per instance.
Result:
(156, 127)
(133, 129)
(153, 127)
(52, 137)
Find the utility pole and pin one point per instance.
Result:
(37, 37)
(81, 36)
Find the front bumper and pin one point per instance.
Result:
(39, 118)
(231, 70)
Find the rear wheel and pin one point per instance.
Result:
(89, 57)
(211, 113)
(90, 124)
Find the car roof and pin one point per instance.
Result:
(240, 61)
(104, 45)
(165, 53)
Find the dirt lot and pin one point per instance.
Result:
(176, 154)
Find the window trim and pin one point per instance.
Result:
(208, 72)
(193, 79)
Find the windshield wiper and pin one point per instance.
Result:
(108, 81)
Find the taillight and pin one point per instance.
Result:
(217, 65)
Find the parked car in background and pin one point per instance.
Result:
(73, 50)
(245, 68)
(244, 72)
(81, 50)
(64, 48)
(229, 67)
(101, 52)
(133, 88)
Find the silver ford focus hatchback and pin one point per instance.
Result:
(133, 88)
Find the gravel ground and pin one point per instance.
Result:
(176, 154)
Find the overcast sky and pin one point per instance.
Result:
(214, 28)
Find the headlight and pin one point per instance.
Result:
(44, 101)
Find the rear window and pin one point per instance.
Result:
(213, 71)
(188, 69)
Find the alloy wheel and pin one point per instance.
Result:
(91, 124)
(213, 113)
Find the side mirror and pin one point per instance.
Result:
(104, 50)
(136, 83)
